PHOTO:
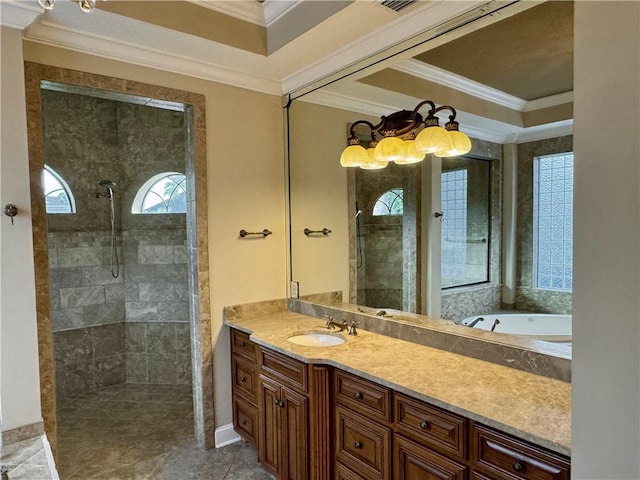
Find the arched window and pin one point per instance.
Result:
(389, 203)
(57, 194)
(162, 193)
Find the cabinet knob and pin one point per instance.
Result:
(424, 425)
(276, 401)
(243, 422)
(517, 467)
(358, 395)
(358, 445)
(243, 379)
(242, 344)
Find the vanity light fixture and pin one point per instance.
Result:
(87, 6)
(400, 143)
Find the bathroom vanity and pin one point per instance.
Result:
(376, 407)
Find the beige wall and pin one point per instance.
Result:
(245, 190)
(318, 135)
(19, 380)
(606, 318)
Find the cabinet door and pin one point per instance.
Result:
(294, 412)
(270, 446)
(415, 462)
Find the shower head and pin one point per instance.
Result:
(107, 183)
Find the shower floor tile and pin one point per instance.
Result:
(142, 432)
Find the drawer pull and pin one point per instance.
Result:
(242, 344)
(358, 395)
(358, 445)
(518, 467)
(425, 425)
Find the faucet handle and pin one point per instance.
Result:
(352, 328)
(329, 322)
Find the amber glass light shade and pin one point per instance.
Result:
(389, 149)
(433, 139)
(460, 144)
(372, 163)
(354, 156)
(410, 155)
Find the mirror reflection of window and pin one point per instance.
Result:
(553, 222)
(57, 194)
(465, 188)
(389, 203)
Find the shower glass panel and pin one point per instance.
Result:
(465, 186)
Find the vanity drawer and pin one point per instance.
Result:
(343, 473)
(431, 426)
(363, 445)
(509, 458)
(287, 370)
(413, 461)
(244, 378)
(245, 420)
(363, 395)
(241, 345)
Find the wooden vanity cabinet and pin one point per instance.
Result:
(244, 386)
(313, 422)
(284, 440)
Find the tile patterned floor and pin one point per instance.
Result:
(143, 432)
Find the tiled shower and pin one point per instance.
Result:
(133, 328)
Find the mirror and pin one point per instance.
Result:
(452, 237)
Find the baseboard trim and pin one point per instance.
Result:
(19, 434)
(226, 435)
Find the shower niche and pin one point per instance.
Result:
(118, 277)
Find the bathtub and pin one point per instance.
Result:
(547, 327)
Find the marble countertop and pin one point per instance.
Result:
(528, 406)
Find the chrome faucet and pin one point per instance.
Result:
(330, 324)
(473, 324)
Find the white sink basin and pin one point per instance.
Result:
(316, 339)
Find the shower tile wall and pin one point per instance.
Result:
(87, 312)
(386, 278)
(100, 323)
(157, 307)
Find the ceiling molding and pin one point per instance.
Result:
(263, 14)
(423, 17)
(357, 98)
(550, 101)
(274, 10)
(54, 34)
(457, 82)
(248, 11)
(18, 15)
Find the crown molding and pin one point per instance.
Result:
(457, 82)
(423, 17)
(473, 125)
(248, 11)
(274, 10)
(550, 101)
(263, 14)
(18, 15)
(57, 35)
